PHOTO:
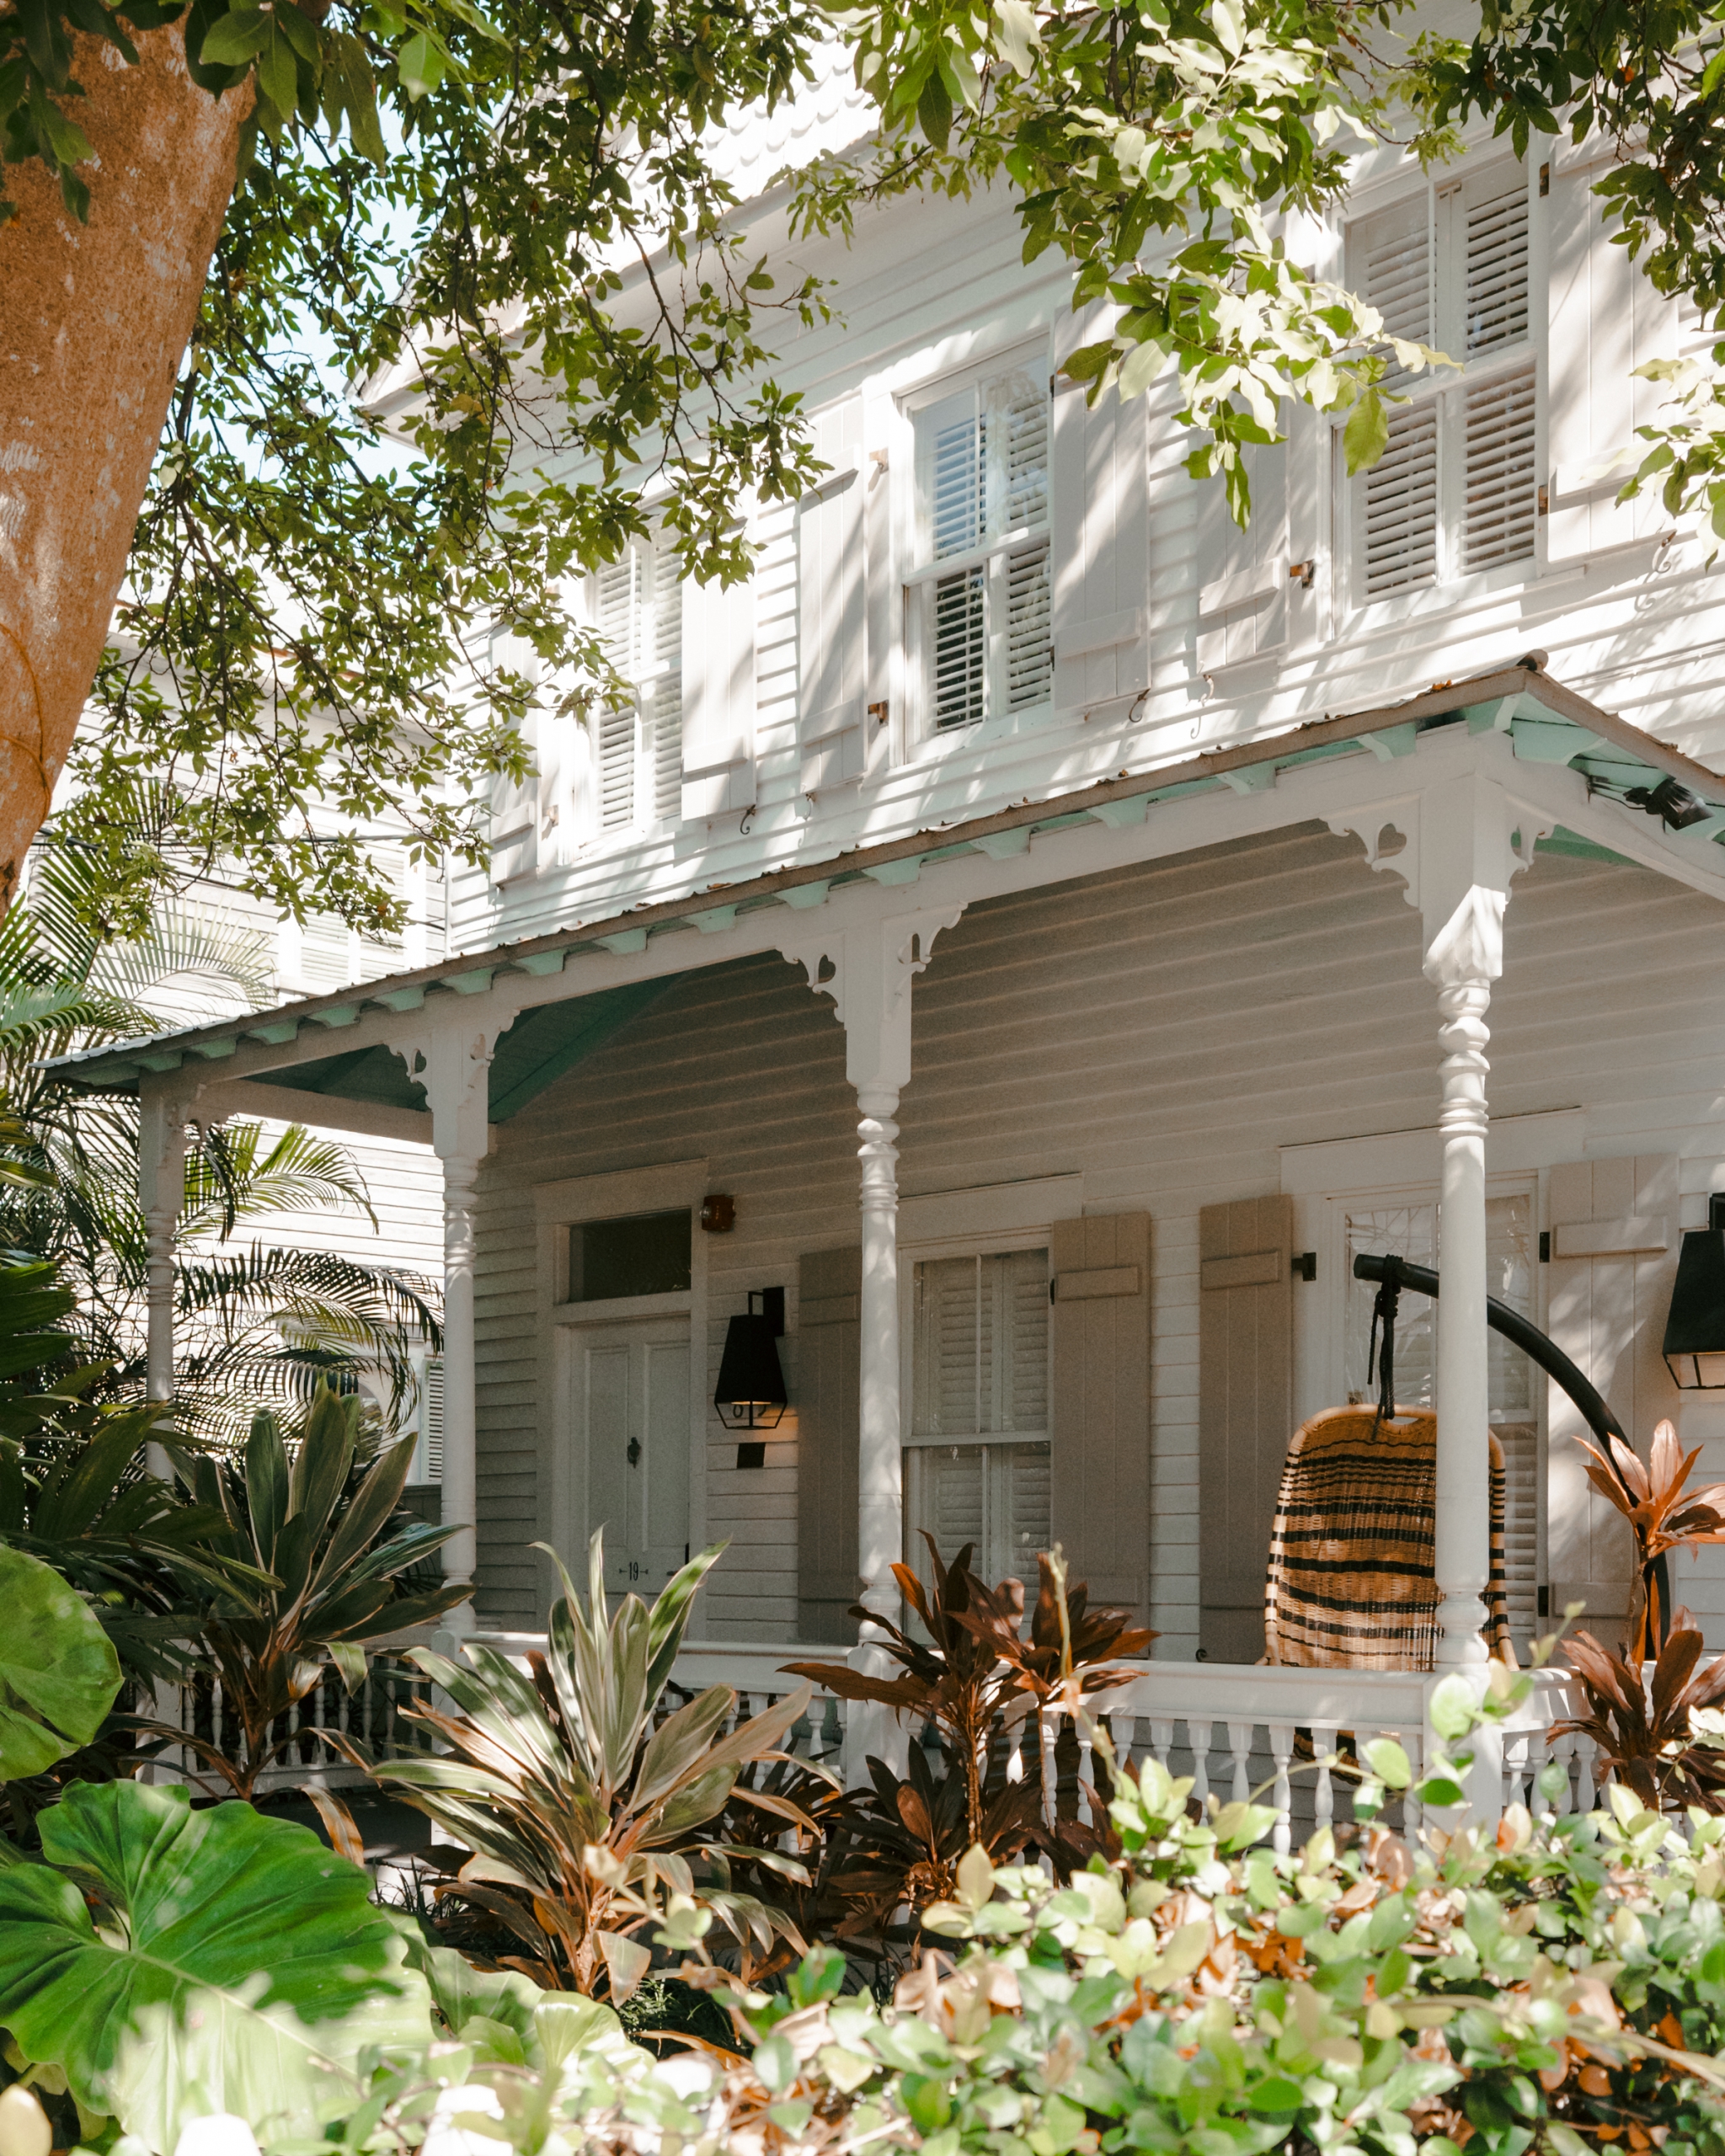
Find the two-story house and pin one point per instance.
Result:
(1047, 932)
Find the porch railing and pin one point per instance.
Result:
(1287, 1736)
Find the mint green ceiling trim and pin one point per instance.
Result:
(544, 1044)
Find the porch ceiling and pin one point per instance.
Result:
(1542, 722)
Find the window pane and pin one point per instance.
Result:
(1498, 518)
(979, 1345)
(960, 648)
(1408, 1231)
(1496, 268)
(1399, 540)
(994, 1497)
(644, 1254)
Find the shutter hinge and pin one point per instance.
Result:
(1545, 1601)
(1544, 501)
(1545, 1246)
(1306, 1265)
(879, 712)
(1545, 188)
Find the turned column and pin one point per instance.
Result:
(161, 1198)
(880, 1524)
(459, 1490)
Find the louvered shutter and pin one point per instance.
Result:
(326, 952)
(1397, 547)
(718, 698)
(1606, 320)
(1499, 416)
(1099, 1402)
(1243, 597)
(385, 953)
(828, 1387)
(1019, 422)
(1100, 509)
(665, 695)
(1244, 1412)
(428, 1452)
(832, 591)
(1615, 1236)
(619, 609)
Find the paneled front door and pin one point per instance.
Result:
(629, 1397)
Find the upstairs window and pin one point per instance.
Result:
(977, 1462)
(1456, 492)
(979, 595)
(638, 745)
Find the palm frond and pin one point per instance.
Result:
(233, 1174)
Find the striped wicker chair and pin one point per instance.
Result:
(1352, 1582)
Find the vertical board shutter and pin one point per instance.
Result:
(1100, 513)
(829, 1383)
(1609, 1290)
(1099, 1403)
(831, 592)
(1606, 320)
(718, 698)
(1244, 1412)
(1242, 595)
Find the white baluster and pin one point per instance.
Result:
(1086, 1772)
(1323, 1802)
(1281, 1795)
(1240, 1748)
(1045, 1724)
(1197, 1734)
(1161, 1740)
(1412, 1811)
(1122, 1728)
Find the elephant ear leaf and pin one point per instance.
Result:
(58, 1669)
(246, 1962)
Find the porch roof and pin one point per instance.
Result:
(1547, 723)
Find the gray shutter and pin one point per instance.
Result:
(1613, 1229)
(1242, 595)
(1244, 1412)
(1099, 1402)
(832, 588)
(829, 1383)
(1100, 511)
(1606, 320)
(718, 698)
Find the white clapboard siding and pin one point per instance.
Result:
(1101, 517)
(1161, 1032)
(831, 606)
(1606, 320)
(1614, 1240)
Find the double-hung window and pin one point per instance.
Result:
(979, 594)
(976, 1458)
(637, 741)
(1455, 492)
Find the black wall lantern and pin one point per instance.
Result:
(1695, 1331)
(750, 1392)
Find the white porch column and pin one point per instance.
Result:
(871, 985)
(457, 1060)
(161, 1197)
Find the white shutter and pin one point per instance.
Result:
(428, 1453)
(618, 621)
(718, 698)
(381, 954)
(1392, 269)
(1100, 510)
(1500, 416)
(832, 588)
(1605, 321)
(1243, 596)
(326, 952)
(667, 692)
(1021, 428)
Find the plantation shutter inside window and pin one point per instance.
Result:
(828, 1382)
(1100, 504)
(1244, 1412)
(831, 593)
(1100, 1403)
(1605, 321)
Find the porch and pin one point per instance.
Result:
(1450, 794)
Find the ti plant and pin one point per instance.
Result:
(1661, 1739)
(327, 1558)
(1662, 1513)
(978, 1680)
(587, 1812)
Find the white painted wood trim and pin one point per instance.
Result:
(1625, 1238)
(1515, 1145)
(627, 1190)
(991, 1209)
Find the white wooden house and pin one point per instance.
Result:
(1163, 913)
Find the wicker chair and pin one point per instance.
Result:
(1352, 1583)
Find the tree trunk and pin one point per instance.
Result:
(94, 322)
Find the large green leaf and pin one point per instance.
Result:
(58, 1669)
(238, 1962)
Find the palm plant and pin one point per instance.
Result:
(258, 1322)
(322, 1557)
(587, 1812)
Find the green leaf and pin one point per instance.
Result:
(1388, 1762)
(58, 1669)
(1452, 1708)
(244, 1953)
(421, 64)
(934, 110)
(1367, 433)
(236, 38)
(1276, 2094)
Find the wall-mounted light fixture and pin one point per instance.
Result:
(751, 1392)
(1695, 1331)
